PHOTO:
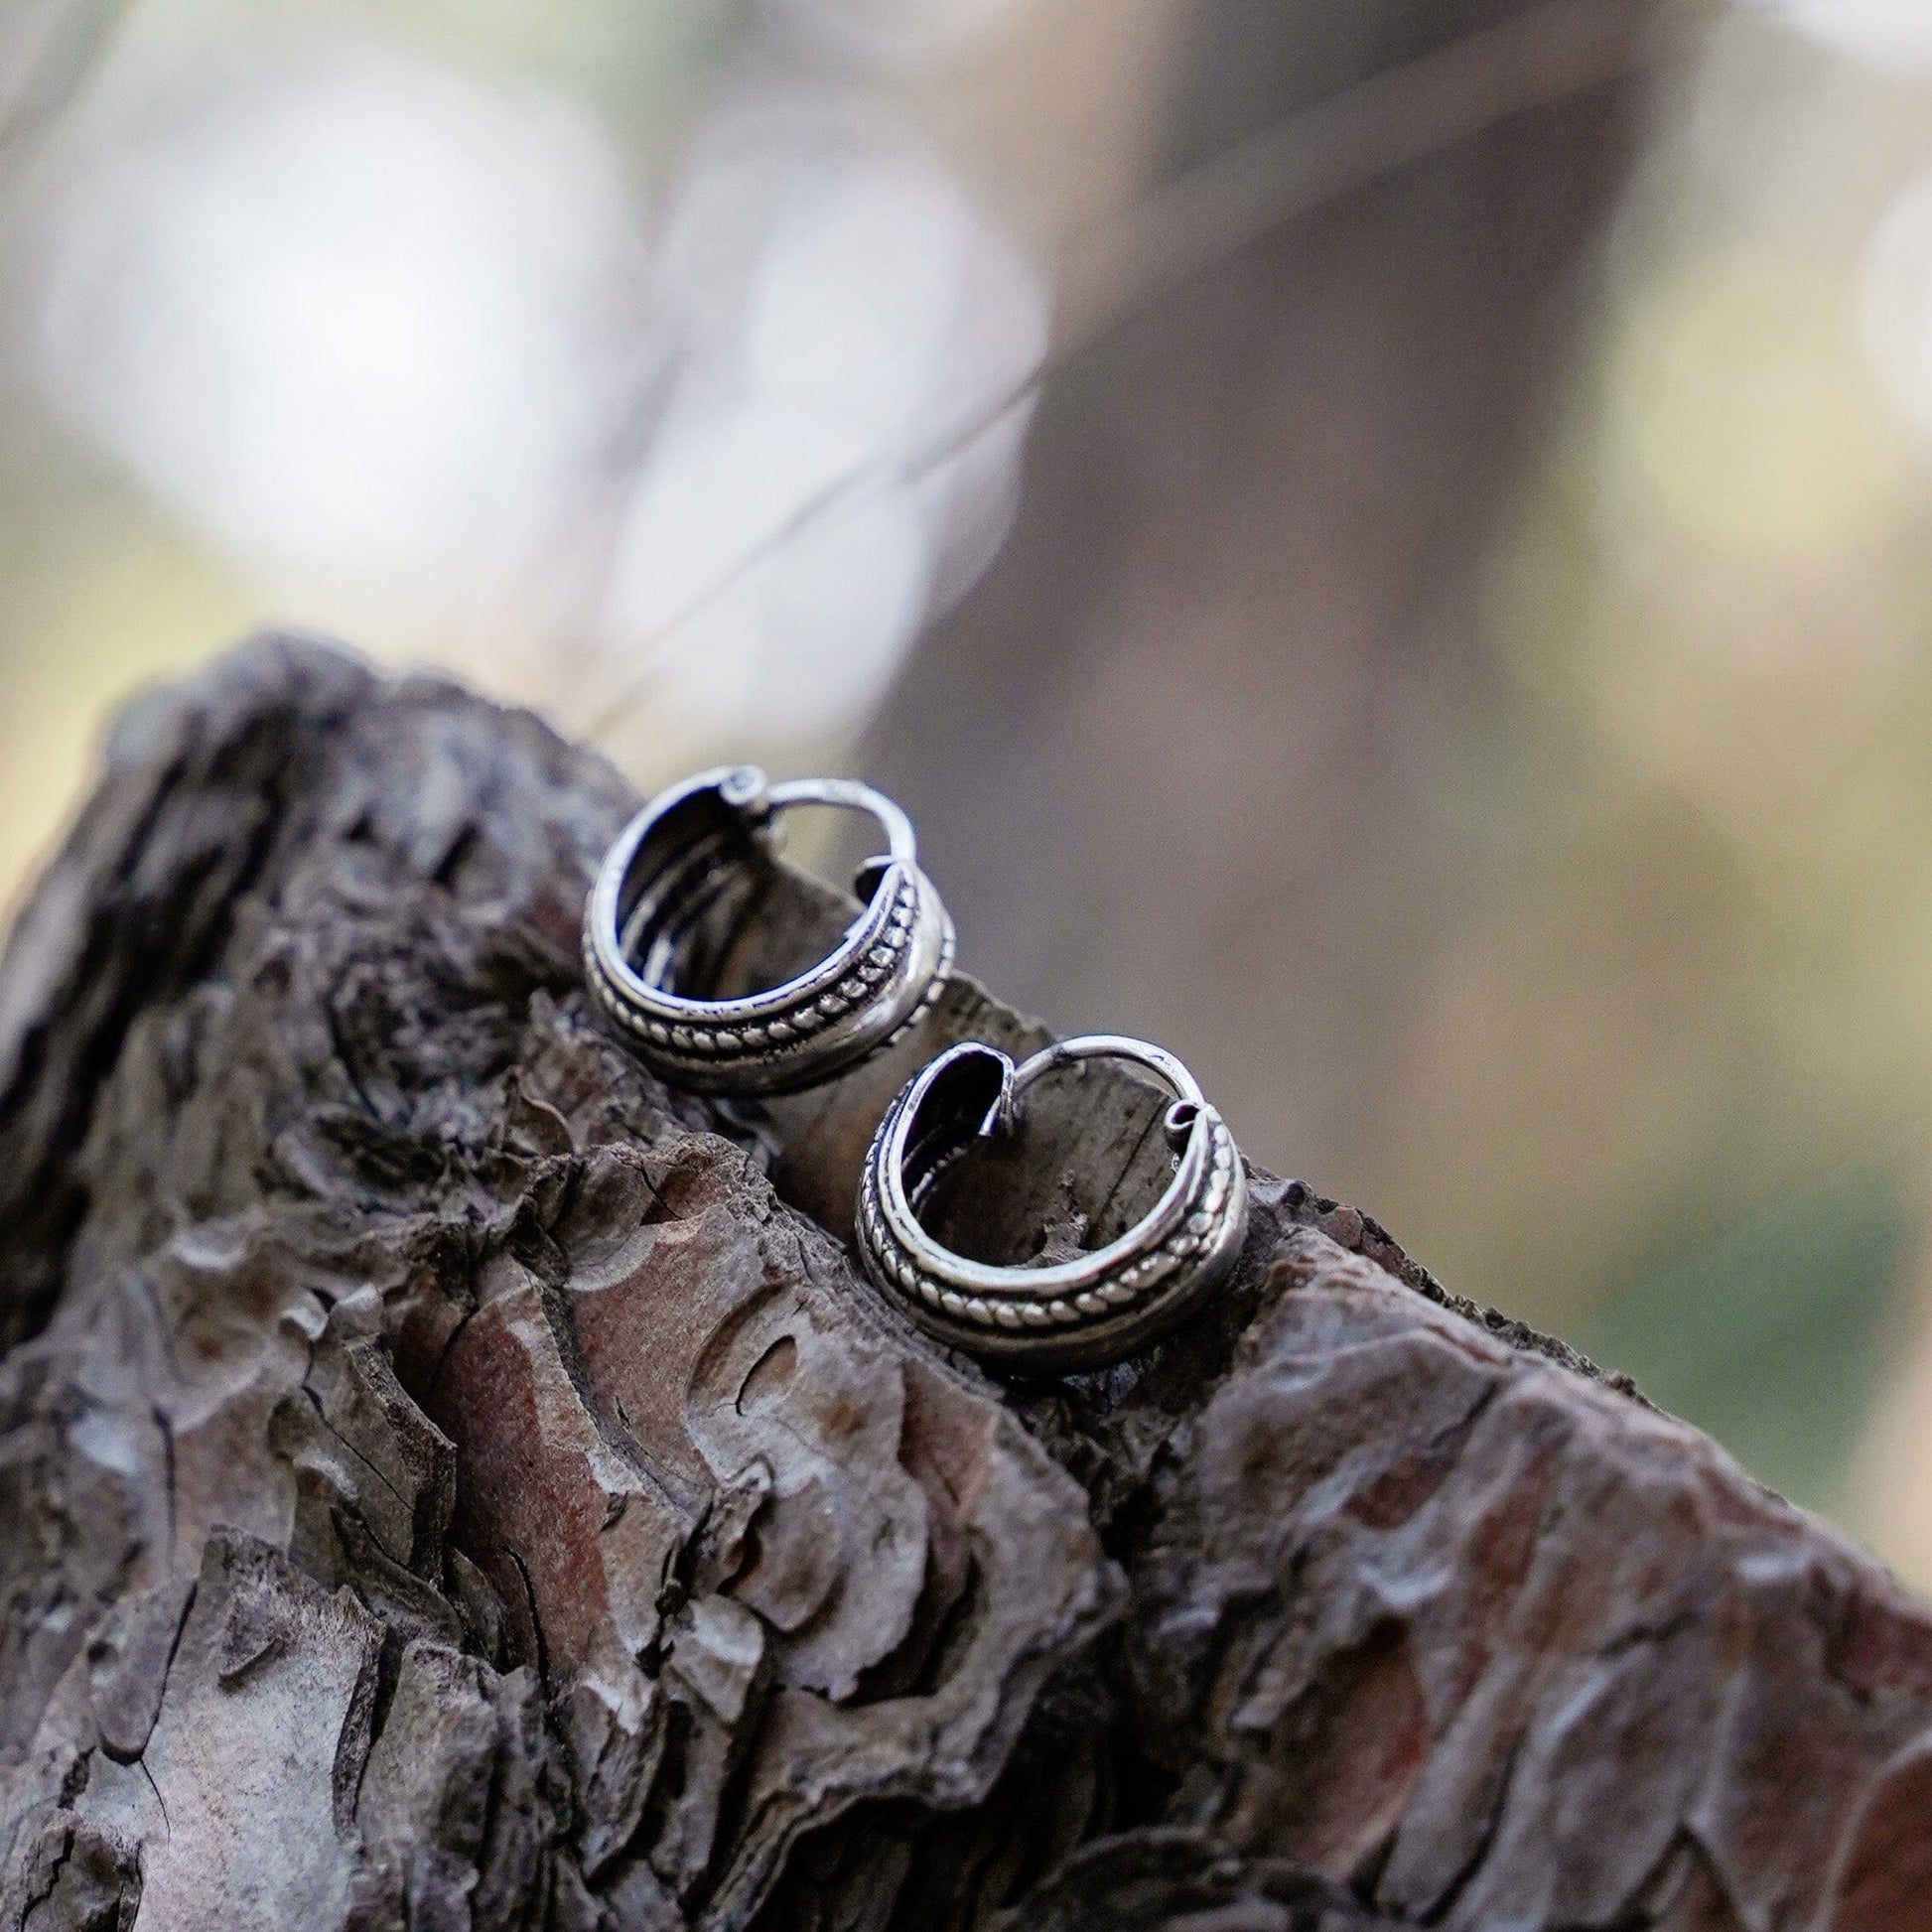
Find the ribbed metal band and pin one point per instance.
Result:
(667, 871)
(1078, 1314)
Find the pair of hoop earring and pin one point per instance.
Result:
(669, 886)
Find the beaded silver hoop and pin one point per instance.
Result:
(667, 870)
(1078, 1314)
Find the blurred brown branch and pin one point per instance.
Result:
(1313, 156)
(1321, 152)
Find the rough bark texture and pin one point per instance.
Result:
(444, 1484)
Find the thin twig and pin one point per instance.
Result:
(1342, 142)
(1313, 156)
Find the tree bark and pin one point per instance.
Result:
(447, 1483)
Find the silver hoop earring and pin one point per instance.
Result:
(1078, 1314)
(653, 913)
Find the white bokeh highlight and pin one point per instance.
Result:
(361, 324)
(1895, 34)
(811, 497)
(1895, 301)
(403, 348)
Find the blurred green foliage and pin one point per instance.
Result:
(1774, 1335)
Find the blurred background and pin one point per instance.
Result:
(1387, 544)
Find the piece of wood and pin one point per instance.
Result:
(444, 1483)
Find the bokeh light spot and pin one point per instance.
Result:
(1885, 33)
(357, 323)
(1743, 416)
(1895, 299)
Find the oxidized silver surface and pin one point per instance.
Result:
(1078, 1314)
(666, 873)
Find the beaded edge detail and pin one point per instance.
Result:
(892, 1268)
(796, 1026)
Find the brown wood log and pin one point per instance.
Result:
(447, 1483)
